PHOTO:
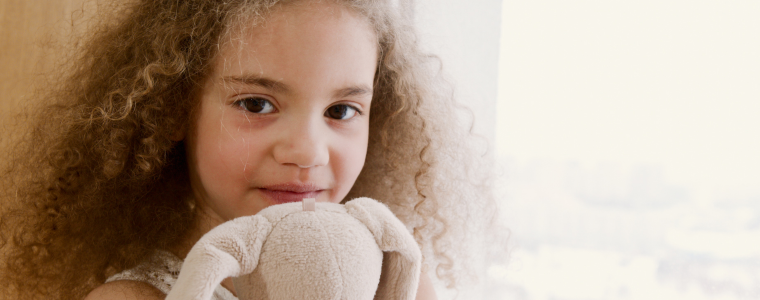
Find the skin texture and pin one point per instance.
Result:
(284, 115)
(125, 290)
(292, 69)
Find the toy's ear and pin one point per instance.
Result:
(229, 250)
(401, 270)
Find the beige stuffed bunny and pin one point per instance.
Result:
(290, 251)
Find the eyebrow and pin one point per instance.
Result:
(267, 83)
(356, 90)
(279, 87)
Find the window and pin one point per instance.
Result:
(628, 132)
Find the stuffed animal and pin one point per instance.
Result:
(306, 251)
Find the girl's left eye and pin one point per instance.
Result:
(341, 112)
(256, 105)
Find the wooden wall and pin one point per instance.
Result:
(29, 31)
(32, 32)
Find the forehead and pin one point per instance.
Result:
(297, 36)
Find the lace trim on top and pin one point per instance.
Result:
(161, 271)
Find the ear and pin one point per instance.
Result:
(401, 272)
(229, 250)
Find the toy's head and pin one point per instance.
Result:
(288, 252)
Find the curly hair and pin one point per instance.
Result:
(97, 183)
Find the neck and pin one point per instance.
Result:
(202, 223)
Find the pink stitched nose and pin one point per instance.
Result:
(309, 204)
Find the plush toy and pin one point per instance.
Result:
(306, 251)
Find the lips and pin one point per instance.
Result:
(290, 192)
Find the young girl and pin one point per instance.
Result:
(177, 116)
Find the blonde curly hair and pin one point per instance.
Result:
(97, 183)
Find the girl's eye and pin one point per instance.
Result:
(256, 105)
(341, 112)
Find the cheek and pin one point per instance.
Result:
(352, 154)
(218, 156)
(225, 160)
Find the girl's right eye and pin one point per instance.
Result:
(256, 105)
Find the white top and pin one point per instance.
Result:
(161, 271)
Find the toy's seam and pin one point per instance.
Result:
(334, 257)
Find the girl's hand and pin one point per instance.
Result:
(126, 290)
(425, 290)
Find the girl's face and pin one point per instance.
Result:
(285, 113)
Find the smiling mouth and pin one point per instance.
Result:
(290, 192)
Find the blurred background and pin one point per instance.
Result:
(33, 34)
(626, 134)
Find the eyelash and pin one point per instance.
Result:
(242, 103)
(356, 111)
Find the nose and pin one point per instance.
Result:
(303, 144)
